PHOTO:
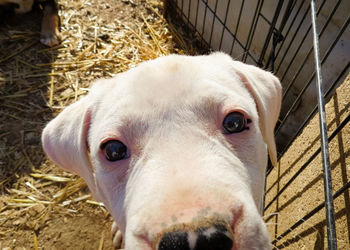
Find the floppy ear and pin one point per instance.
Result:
(64, 140)
(267, 93)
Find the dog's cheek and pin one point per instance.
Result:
(252, 152)
(111, 179)
(248, 146)
(112, 195)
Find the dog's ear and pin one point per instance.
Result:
(266, 90)
(64, 140)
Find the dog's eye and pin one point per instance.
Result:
(114, 150)
(234, 122)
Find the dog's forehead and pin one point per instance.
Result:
(169, 84)
(170, 77)
(159, 94)
(174, 79)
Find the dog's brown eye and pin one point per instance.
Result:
(114, 150)
(234, 122)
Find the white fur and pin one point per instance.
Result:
(182, 167)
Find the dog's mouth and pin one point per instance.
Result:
(209, 233)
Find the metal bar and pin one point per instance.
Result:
(182, 15)
(290, 26)
(205, 16)
(195, 28)
(265, 19)
(278, 37)
(335, 132)
(331, 88)
(224, 26)
(269, 35)
(196, 19)
(252, 29)
(331, 230)
(237, 26)
(212, 25)
(264, 198)
(310, 51)
(207, 8)
(292, 41)
(300, 45)
(345, 70)
(289, 8)
(345, 25)
(309, 215)
(311, 158)
(297, 51)
(189, 10)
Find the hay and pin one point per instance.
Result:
(37, 82)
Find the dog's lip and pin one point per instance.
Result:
(237, 214)
(143, 237)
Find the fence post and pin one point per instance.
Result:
(331, 231)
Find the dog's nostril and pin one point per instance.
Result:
(215, 237)
(217, 241)
(174, 241)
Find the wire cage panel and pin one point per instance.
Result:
(279, 36)
(276, 35)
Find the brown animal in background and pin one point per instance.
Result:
(50, 23)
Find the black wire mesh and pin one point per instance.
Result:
(277, 36)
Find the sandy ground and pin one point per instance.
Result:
(306, 191)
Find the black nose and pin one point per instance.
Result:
(215, 237)
(174, 241)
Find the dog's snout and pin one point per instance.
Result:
(204, 238)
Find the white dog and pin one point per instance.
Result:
(176, 149)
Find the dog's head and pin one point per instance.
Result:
(176, 148)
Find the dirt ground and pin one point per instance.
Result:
(306, 191)
(41, 206)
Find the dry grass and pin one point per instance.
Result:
(100, 39)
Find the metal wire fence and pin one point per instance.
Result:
(280, 36)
